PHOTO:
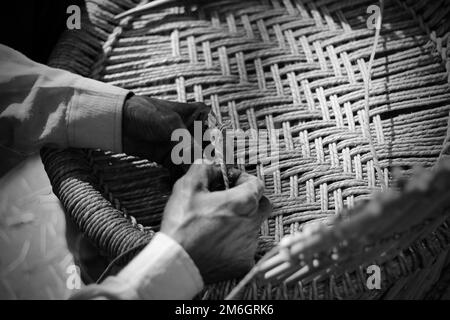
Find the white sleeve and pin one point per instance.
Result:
(163, 270)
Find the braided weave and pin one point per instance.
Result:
(294, 65)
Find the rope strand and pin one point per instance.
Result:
(367, 82)
(219, 145)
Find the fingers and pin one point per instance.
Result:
(200, 176)
(200, 113)
(219, 184)
(244, 198)
(189, 112)
(247, 183)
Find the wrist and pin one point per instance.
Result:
(95, 116)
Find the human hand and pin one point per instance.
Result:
(148, 124)
(218, 229)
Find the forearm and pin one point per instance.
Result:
(40, 106)
(163, 270)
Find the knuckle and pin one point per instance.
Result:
(252, 202)
(259, 185)
(196, 174)
(256, 184)
(255, 188)
(247, 201)
(179, 184)
(184, 183)
(189, 182)
(199, 168)
(174, 120)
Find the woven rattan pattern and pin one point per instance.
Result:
(294, 65)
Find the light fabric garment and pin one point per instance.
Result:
(41, 105)
(162, 271)
(46, 106)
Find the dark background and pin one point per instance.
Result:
(34, 26)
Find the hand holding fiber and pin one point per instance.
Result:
(218, 229)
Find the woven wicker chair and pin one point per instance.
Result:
(297, 65)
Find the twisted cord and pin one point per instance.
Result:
(367, 82)
(116, 261)
(218, 142)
